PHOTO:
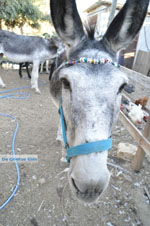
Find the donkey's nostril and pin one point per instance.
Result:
(87, 192)
(74, 184)
(93, 125)
(98, 190)
(87, 189)
(79, 187)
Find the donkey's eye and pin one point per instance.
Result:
(121, 88)
(66, 83)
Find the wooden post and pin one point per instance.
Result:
(135, 133)
(138, 159)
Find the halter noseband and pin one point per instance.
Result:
(83, 149)
(86, 148)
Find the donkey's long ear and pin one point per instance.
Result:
(67, 21)
(126, 24)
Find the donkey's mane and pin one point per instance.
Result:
(90, 30)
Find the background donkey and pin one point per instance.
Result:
(20, 48)
(25, 65)
(90, 94)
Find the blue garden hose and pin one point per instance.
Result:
(16, 163)
(16, 95)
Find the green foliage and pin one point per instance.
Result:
(7, 9)
(20, 12)
(46, 35)
(46, 18)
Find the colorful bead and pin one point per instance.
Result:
(92, 61)
(82, 59)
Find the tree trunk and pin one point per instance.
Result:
(21, 30)
(0, 24)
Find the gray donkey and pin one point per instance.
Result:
(21, 48)
(88, 88)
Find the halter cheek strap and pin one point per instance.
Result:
(83, 149)
(64, 127)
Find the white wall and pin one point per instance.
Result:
(102, 20)
(144, 38)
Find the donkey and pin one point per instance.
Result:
(41, 67)
(20, 49)
(87, 89)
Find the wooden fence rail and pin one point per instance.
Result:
(142, 84)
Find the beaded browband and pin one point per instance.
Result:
(91, 61)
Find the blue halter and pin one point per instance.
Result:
(83, 149)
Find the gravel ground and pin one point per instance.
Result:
(44, 198)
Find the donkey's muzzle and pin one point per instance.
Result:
(88, 191)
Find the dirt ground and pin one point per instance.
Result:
(44, 197)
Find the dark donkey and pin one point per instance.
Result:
(89, 86)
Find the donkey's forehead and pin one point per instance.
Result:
(105, 72)
(88, 48)
(86, 74)
(96, 53)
